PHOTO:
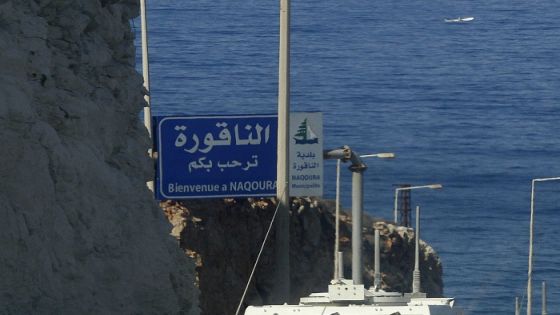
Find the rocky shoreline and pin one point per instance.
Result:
(224, 236)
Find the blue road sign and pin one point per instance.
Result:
(216, 156)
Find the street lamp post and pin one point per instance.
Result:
(432, 186)
(531, 227)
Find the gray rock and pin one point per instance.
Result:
(80, 232)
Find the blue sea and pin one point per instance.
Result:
(473, 106)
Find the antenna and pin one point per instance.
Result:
(340, 266)
(337, 260)
(377, 271)
(416, 273)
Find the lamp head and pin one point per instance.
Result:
(379, 155)
(386, 155)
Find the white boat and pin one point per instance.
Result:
(349, 297)
(460, 19)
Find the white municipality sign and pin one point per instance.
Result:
(306, 154)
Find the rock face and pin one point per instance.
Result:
(79, 231)
(224, 236)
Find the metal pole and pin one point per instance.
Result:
(544, 311)
(377, 263)
(340, 265)
(396, 203)
(517, 306)
(416, 272)
(530, 272)
(337, 223)
(357, 212)
(146, 75)
(145, 67)
(282, 189)
(531, 233)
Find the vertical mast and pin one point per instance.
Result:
(543, 308)
(530, 272)
(282, 189)
(357, 213)
(357, 168)
(377, 262)
(395, 206)
(146, 75)
(337, 262)
(145, 67)
(416, 272)
(340, 264)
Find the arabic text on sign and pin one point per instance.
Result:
(253, 136)
(305, 155)
(201, 163)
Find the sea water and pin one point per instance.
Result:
(472, 106)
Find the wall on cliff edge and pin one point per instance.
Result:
(79, 231)
(225, 235)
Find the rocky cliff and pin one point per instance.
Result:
(79, 231)
(224, 236)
